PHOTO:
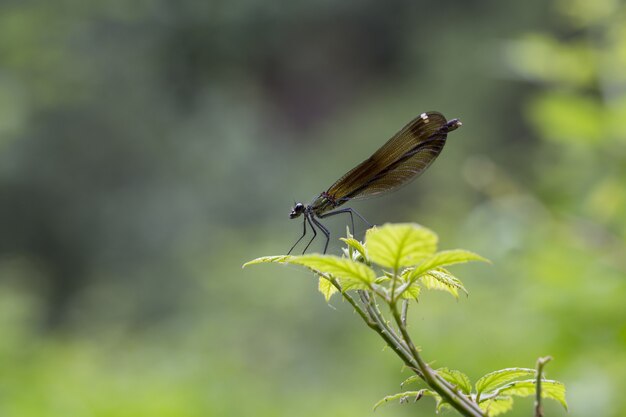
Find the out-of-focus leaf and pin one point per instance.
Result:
(617, 110)
(497, 405)
(456, 378)
(587, 13)
(281, 259)
(444, 258)
(326, 288)
(398, 245)
(607, 200)
(569, 118)
(541, 58)
(495, 379)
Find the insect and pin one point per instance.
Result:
(403, 158)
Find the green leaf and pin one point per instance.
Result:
(495, 379)
(554, 390)
(398, 245)
(549, 389)
(456, 378)
(352, 274)
(442, 280)
(326, 288)
(382, 279)
(442, 405)
(281, 259)
(356, 245)
(411, 292)
(404, 397)
(444, 258)
(497, 405)
(410, 380)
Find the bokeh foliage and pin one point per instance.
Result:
(148, 148)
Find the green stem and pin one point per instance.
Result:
(377, 323)
(394, 280)
(541, 362)
(405, 310)
(406, 350)
(456, 399)
(388, 333)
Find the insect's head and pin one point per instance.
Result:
(297, 210)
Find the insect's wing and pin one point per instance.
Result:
(406, 155)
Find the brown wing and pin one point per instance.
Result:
(406, 155)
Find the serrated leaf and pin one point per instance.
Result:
(407, 395)
(398, 396)
(495, 379)
(351, 284)
(497, 405)
(382, 279)
(267, 259)
(411, 292)
(410, 380)
(549, 389)
(554, 390)
(442, 405)
(356, 245)
(456, 378)
(398, 245)
(442, 280)
(351, 274)
(444, 258)
(326, 288)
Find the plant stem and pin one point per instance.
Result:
(384, 329)
(376, 322)
(541, 362)
(405, 310)
(456, 399)
(406, 350)
(374, 311)
(394, 280)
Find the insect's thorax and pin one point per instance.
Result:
(323, 203)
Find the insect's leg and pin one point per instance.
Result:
(345, 210)
(324, 230)
(298, 241)
(361, 217)
(308, 218)
(349, 211)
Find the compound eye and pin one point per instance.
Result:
(299, 207)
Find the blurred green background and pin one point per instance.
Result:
(149, 148)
